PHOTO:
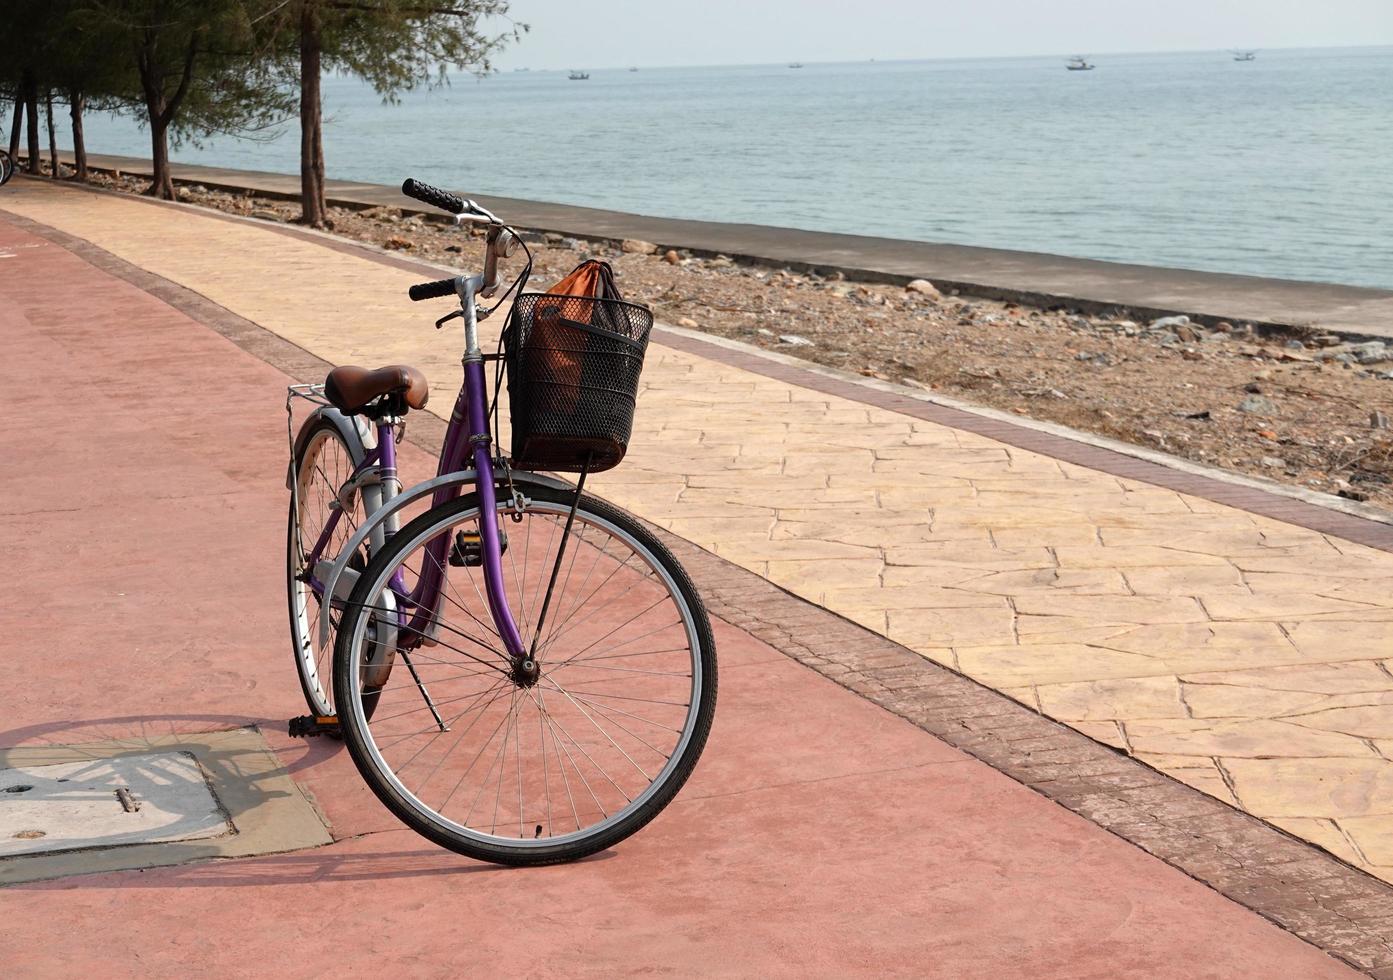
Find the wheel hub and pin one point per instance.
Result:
(526, 672)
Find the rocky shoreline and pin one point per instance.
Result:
(1312, 410)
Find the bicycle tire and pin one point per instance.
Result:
(313, 666)
(522, 852)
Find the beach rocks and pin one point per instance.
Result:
(1169, 323)
(793, 340)
(637, 246)
(398, 244)
(671, 257)
(1274, 462)
(1258, 405)
(1370, 353)
(924, 288)
(687, 323)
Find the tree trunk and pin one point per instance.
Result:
(31, 110)
(76, 103)
(55, 173)
(161, 110)
(161, 183)
(313, 209)
(18, 126)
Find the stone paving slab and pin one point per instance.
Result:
(242, 803)
(1111, 604)
(65, 806)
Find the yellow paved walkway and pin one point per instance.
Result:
(1244, 656)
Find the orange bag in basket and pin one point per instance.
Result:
(554, 347)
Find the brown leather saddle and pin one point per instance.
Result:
(389, 390)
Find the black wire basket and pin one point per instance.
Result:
(573, 366)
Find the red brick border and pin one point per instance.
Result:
(1338, 909)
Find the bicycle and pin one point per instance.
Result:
(522, 673)
(7, 167)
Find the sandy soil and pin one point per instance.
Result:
(1312, 411)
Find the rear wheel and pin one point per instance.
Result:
(323, 463)
(535, 767)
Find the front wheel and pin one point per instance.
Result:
(537, 767)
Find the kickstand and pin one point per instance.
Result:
(424, 693)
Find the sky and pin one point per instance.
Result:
(653, 33)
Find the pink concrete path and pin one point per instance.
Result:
(142, 518)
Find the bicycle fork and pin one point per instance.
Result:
(468, 438)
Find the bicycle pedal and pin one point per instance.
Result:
(468, 549)
(311, 726)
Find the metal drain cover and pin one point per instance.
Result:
(107, 802)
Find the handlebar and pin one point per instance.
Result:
(433, 196)
(501, 240)
(432, 290)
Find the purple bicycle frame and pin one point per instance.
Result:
(468, 431)
(468, 428)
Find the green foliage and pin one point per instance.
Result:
(200, 67)
(29, 39)
(397, 45)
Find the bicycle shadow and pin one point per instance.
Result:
(270, 813)
(328, 865)
(134, 728)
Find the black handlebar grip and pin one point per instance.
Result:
(433, 196)
(432, 290)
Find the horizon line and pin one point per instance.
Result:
(500, 69)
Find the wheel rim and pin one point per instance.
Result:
(600, 733)
(325, 464)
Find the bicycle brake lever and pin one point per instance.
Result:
(447, 318)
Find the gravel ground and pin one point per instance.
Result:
(1312, 411)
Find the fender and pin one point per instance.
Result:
(374, 520)
(353, 429)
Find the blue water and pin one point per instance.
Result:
(1278, 167)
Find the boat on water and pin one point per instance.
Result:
(1079, 63)
(795, 64)
(1245, 56)
(633, 69)
(578, 76)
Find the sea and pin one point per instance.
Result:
(1281, 166)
